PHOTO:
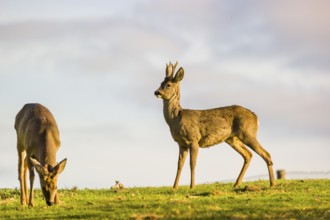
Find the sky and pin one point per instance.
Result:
(96, 65)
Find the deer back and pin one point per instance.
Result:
(37, 133)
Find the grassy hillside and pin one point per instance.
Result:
(290, 199)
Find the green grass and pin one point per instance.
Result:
(290, 199)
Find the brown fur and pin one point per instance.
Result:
(192, 129)
(37, 143)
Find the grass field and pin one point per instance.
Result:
(290, 199)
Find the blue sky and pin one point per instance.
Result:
(96, 64)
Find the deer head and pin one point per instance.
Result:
(170, 86)
(48, 178)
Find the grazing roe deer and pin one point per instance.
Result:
(191, 129)
(37, 143)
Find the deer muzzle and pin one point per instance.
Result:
(49, 203)
(158, 94)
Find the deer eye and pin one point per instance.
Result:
(168, 85)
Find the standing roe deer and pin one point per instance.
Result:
(37, 143)
(191, 129)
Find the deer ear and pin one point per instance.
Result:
(37, 165)
(59, 167)
(179, 75)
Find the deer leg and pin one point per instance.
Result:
(182, 157)
(255, 145)
(31, 171)
(193, 159)
(235, 143)
(21, 176)
(25, 179)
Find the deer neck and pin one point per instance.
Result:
(48, 152)
(172, 108)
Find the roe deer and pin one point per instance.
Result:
(191, 129)
(37, 143)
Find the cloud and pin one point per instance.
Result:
(302, 29)
(301, 19)
(62, 10)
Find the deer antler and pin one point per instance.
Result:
(170, 68)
